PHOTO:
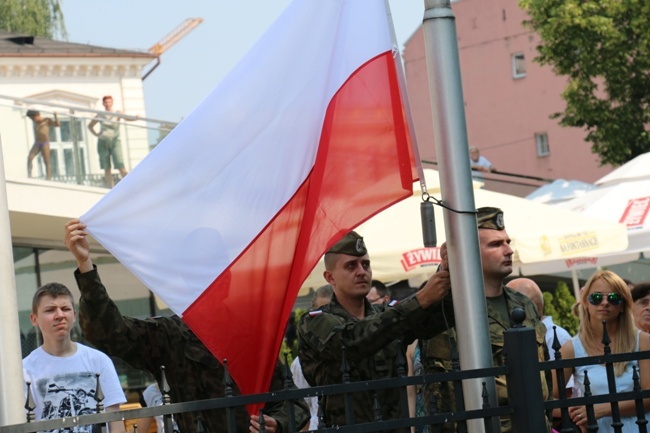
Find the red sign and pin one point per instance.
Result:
(636, 212)
(420, 257)
(581, 261)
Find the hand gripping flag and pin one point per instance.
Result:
(304, 140)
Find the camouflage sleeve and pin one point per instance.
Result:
(437, 319)
(124, 337)
(326, 333)
(280, 410)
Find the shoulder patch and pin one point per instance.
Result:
(315, 313)
(393, 303)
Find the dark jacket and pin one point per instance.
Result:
(372, 347)
(191, 370)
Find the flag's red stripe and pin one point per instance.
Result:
(364, 164)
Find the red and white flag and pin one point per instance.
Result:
(304, 140)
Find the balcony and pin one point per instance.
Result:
(73, 148)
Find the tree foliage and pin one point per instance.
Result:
(42, 18)
(603, 47)
(558, 305)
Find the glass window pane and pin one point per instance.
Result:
(518, 65)
(69, 162)
(65, 130)
(26, 284)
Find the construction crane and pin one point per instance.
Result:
(170, 39)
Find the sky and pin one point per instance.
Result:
(194, 66)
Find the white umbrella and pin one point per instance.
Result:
(560, 190)
(540, 233)
(622, 196)
(636, 169)
(626, 202)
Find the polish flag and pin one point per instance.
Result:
(304, 140)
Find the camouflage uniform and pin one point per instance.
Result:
(436, 356)
(371, 350)
(191, 370)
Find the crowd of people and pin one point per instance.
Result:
(351, 312)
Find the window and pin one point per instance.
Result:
(541, 141)
(518, 65)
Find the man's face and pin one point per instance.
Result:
(108, 104)
(54, 316)
(641, 312)
(350, 276)
(496, 254)
(474, 154)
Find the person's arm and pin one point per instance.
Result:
(91, 127)
(143, 424)
(327, 333)
(567, 352)
(276, 414)
(56, 120)
(628, 407)
(129, 118)
(416, 314)
(478, 167)
(410, 390)
(270, 424)
(77, 243)
(102, 323)
(117, 426)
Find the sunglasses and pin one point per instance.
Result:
(596, 298)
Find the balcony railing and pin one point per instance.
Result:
(74, 157)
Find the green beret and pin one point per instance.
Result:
(351, 244)
(490, 218)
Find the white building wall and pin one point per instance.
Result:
(77, 82)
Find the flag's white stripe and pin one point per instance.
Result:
(195, 203)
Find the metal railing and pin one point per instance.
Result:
(527, 409)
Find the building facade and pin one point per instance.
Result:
(68, 79)
(508, 98)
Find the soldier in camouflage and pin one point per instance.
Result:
(369, 333)
(191, 370)
(496, 258)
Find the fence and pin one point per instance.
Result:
(526, 407)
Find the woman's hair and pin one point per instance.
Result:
(625, 340)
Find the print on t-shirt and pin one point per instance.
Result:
(67, 395)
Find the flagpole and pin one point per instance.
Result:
(12, 396)
(452, 152)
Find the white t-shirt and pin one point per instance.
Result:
(483, 162)
(153, 397)
(562, 335)
(300, 382)
(65, 386)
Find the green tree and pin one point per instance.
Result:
(42, 18)
(603, 47)
(559, 306)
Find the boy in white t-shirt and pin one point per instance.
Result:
(62, 372)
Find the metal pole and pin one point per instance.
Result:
(75, 148)
(524, 382)
(12, 391)
(452, 152)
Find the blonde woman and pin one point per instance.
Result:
(607, 298)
